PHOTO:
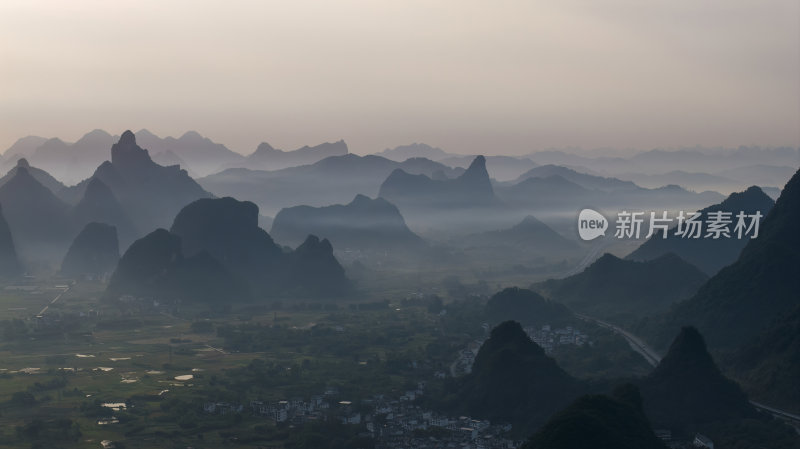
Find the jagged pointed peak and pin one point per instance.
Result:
(127, 153)
(127, 138)
(479, 163)
(687, 356)
(314, 244)
(477, 175)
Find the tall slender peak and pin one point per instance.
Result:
(688, 347)
(477, 174)
(478, 164)
(127, 153)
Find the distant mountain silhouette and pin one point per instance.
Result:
(100, 205)
(692, 180)
(526, 307)
(197, 154)
(155, 267)
(513, 381)
(228, 230)
(95, 252)
(623, 290)
(501, 168)
(557, 188)
(313, 270)
(333, 180)
(40, 175)
(267, 158)
(149, 193)
(24, 147)
(9, 263)
(364, 224)
(715, 161)
(590, 182)
(599, 422)
(472, 188)
(71, 162)
(38, 220)
(530, 235)
(710, 255)
(740, 301)
(167, 158)
(687, 389)
(761, 174)
(466, 203)
(403, 152)
(547, 193)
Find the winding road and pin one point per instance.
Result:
(652, 357)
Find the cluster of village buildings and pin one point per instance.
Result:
(392, 423)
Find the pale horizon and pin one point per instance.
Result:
(467, 77)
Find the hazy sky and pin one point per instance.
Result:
(497, 76)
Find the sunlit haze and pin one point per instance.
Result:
(467, 76)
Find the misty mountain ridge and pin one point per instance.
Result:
(403, 152)
(94, 252)
(40, 175)
(623, 291)
(268, 158)
(710, 255)
(364, 224)
(24, 147)
(529, 235)
(742, 299)
(38, 219)
(99, 204)
(564, 190)
(154, 267)
(501, 168)
(589, 182)
(464, 204)
(659, 161)
(227, 229)
(200, 155)
(72, 162)
(333, 180)
(149, 193)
